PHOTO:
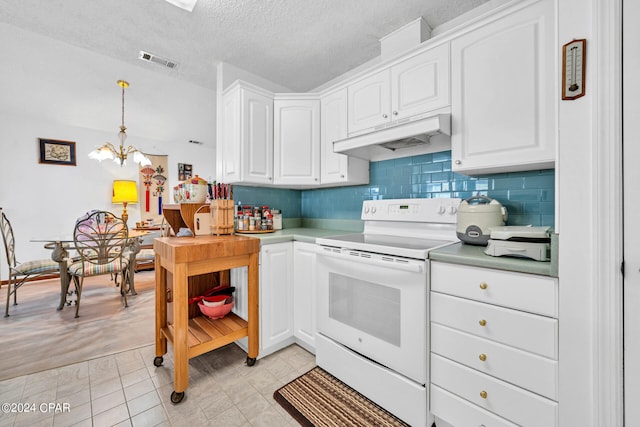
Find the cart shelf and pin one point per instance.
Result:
(207, 334)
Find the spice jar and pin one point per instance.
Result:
(277, 219)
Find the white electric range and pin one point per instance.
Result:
(373, 300)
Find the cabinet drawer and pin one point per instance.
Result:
(528, 292)
(529, 332)
(513, 403)
(459, 412)
(521, 368)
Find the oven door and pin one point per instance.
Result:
(376, 305)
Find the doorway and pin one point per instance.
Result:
(631, 179)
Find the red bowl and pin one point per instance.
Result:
(215, 312)
(214, 301)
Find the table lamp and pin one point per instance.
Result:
(125, 192)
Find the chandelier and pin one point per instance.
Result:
(119, 154)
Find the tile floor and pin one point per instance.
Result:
(126, 389)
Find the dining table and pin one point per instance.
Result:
(61, 245)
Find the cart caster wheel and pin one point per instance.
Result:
(158, 361)
(251, 361)
(177, 397)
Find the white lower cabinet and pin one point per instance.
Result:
(460, 413)
(287, 296)
(304, 295)
(276, 297)
(494, 347)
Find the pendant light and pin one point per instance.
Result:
(119, 154)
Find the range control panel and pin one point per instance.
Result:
(441, 210)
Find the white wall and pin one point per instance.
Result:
(53, 90)
(588, 202)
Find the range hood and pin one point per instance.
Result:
(425, 135)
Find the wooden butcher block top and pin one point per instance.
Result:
(178, 250)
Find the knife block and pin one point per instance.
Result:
(221, 211)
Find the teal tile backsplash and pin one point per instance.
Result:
(528, 196)
(288, 201)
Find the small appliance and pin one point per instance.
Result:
(476, 216)
(520, 241)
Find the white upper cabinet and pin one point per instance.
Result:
(296, 141)
(503, 93)
(370, 102)
(408, 89)
(335, 167)
(247, 144)
(420, 83)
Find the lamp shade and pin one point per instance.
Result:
(125, 192)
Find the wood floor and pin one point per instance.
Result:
(37, 337)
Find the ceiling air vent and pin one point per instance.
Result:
(146, 56)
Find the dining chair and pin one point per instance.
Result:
(100, 240)
(21, 272)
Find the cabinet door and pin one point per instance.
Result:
(239, 279)
(500, 397)
(276, 296)
(526, 292)
(459, 412)
(335, 167)
(257, 138)
(297, 142)
(369, 102)
(421, 83)
(231, 142)
(304, 294)
(503, 93)
(247, 143)
(524, 331)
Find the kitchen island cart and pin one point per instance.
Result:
(183, 265)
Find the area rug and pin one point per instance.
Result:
(317, 398)
(36, 337)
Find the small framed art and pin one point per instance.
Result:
(56, 152)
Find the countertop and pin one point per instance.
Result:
(460, 253)
(190, 249)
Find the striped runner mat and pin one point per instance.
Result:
(317, 398)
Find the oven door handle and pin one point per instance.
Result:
(413, 266)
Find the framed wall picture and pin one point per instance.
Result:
(56, 152)
(184, 171)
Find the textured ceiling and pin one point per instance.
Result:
(299, 44)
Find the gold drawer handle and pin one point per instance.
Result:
(483, 286)
(483, 394)
(483, 357)
(483, 322)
